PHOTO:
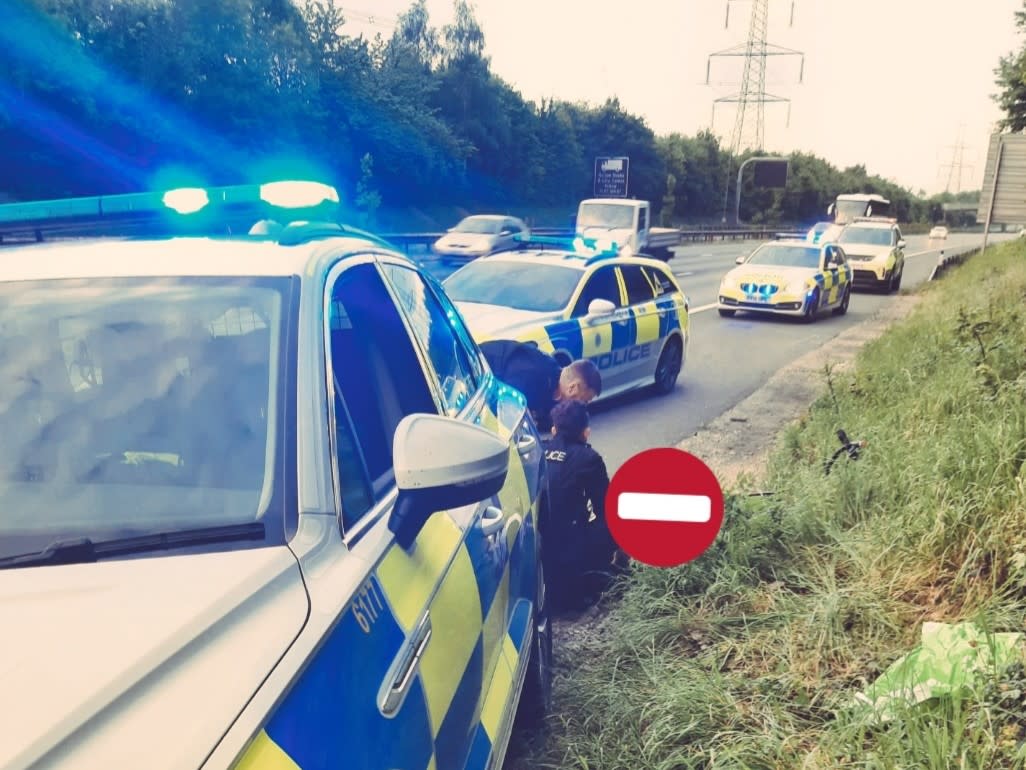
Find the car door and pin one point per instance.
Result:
(396, 680)
(584, 336)
(831, 270)
(499, 550)
(642, 334)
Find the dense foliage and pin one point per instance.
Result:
(104, 96)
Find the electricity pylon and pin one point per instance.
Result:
(752, 98)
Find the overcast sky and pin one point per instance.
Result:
(887, 83)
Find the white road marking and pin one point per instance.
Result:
(703, 308)
(640, 506)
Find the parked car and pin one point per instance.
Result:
(940, 232)
(265, 505)
(481, 234)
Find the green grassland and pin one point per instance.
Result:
(750, 656)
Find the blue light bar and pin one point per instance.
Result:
(186, 200)
(297, 194)
(578, 246)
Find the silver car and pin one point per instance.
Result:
(481, 234)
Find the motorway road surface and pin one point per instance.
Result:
(729, 358)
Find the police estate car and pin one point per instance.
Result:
(263, 506)
(877, 252)
(790, 277)
(627, 314)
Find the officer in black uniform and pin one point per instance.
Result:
(580, 556)
(540, 378)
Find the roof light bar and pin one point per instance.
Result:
(186, 200)
(297, 194)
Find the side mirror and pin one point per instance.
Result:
(442, 463)
(600, 307)
(901, 243)
(739, 261)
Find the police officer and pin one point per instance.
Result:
(580, 555)
(540, 378)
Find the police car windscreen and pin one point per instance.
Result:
(514, 284)
(134, 406)
(869, 236)
(780, 255)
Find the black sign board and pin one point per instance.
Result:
(771, 173)
(611, 177)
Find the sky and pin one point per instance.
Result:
(891, 84)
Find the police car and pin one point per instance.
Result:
(627, 314)
(788, 277)
(263, 504)
(877, 252)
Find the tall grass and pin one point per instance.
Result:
(749, 657)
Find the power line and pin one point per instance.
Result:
(957, 165)
(752, 98)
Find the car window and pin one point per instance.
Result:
(642, 218)
(639, 289)
(513, 284)
(660, 281)
(136, 406)
(378, 380)
(454, 371)
(601, 285)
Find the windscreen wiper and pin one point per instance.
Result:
(84, 550)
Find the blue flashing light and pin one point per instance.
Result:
(186, 200)
(297, 194)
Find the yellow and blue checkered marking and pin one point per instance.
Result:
(479, 592)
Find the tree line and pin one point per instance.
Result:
(109, 96)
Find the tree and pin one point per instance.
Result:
(1011, 78)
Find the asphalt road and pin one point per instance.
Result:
(729, 358)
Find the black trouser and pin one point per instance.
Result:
(578, 564)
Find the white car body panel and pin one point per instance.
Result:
(165, 649)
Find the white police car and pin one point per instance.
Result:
(627, 314)
(262, 506)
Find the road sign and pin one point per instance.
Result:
(664, 507)
(611, 177)
(1003, 200)
(771, 173)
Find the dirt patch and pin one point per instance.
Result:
(740, 440)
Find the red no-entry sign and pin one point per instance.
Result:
(664, 507)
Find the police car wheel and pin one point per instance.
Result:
(811, 308)
(896, 280)
(843, 307)
(668, 368)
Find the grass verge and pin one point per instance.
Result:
(750, 657)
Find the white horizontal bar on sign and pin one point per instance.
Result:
(642, 506)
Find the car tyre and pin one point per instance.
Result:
(671, 361)
(843, 307)
(726, 313)
(536, 697)
(812, 308)
(896, 280)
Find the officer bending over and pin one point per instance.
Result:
(578, 550)
(540, 378)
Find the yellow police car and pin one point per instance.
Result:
(263, 504)
(627, 314)
(876, 250)
(788, 277)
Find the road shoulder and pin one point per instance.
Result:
(737, 444)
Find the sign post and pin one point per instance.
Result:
(769, 172)
(611, 177)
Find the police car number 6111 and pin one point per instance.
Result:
(264, 506)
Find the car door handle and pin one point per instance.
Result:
(492, 520)
(526, 443)
(400, 677)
